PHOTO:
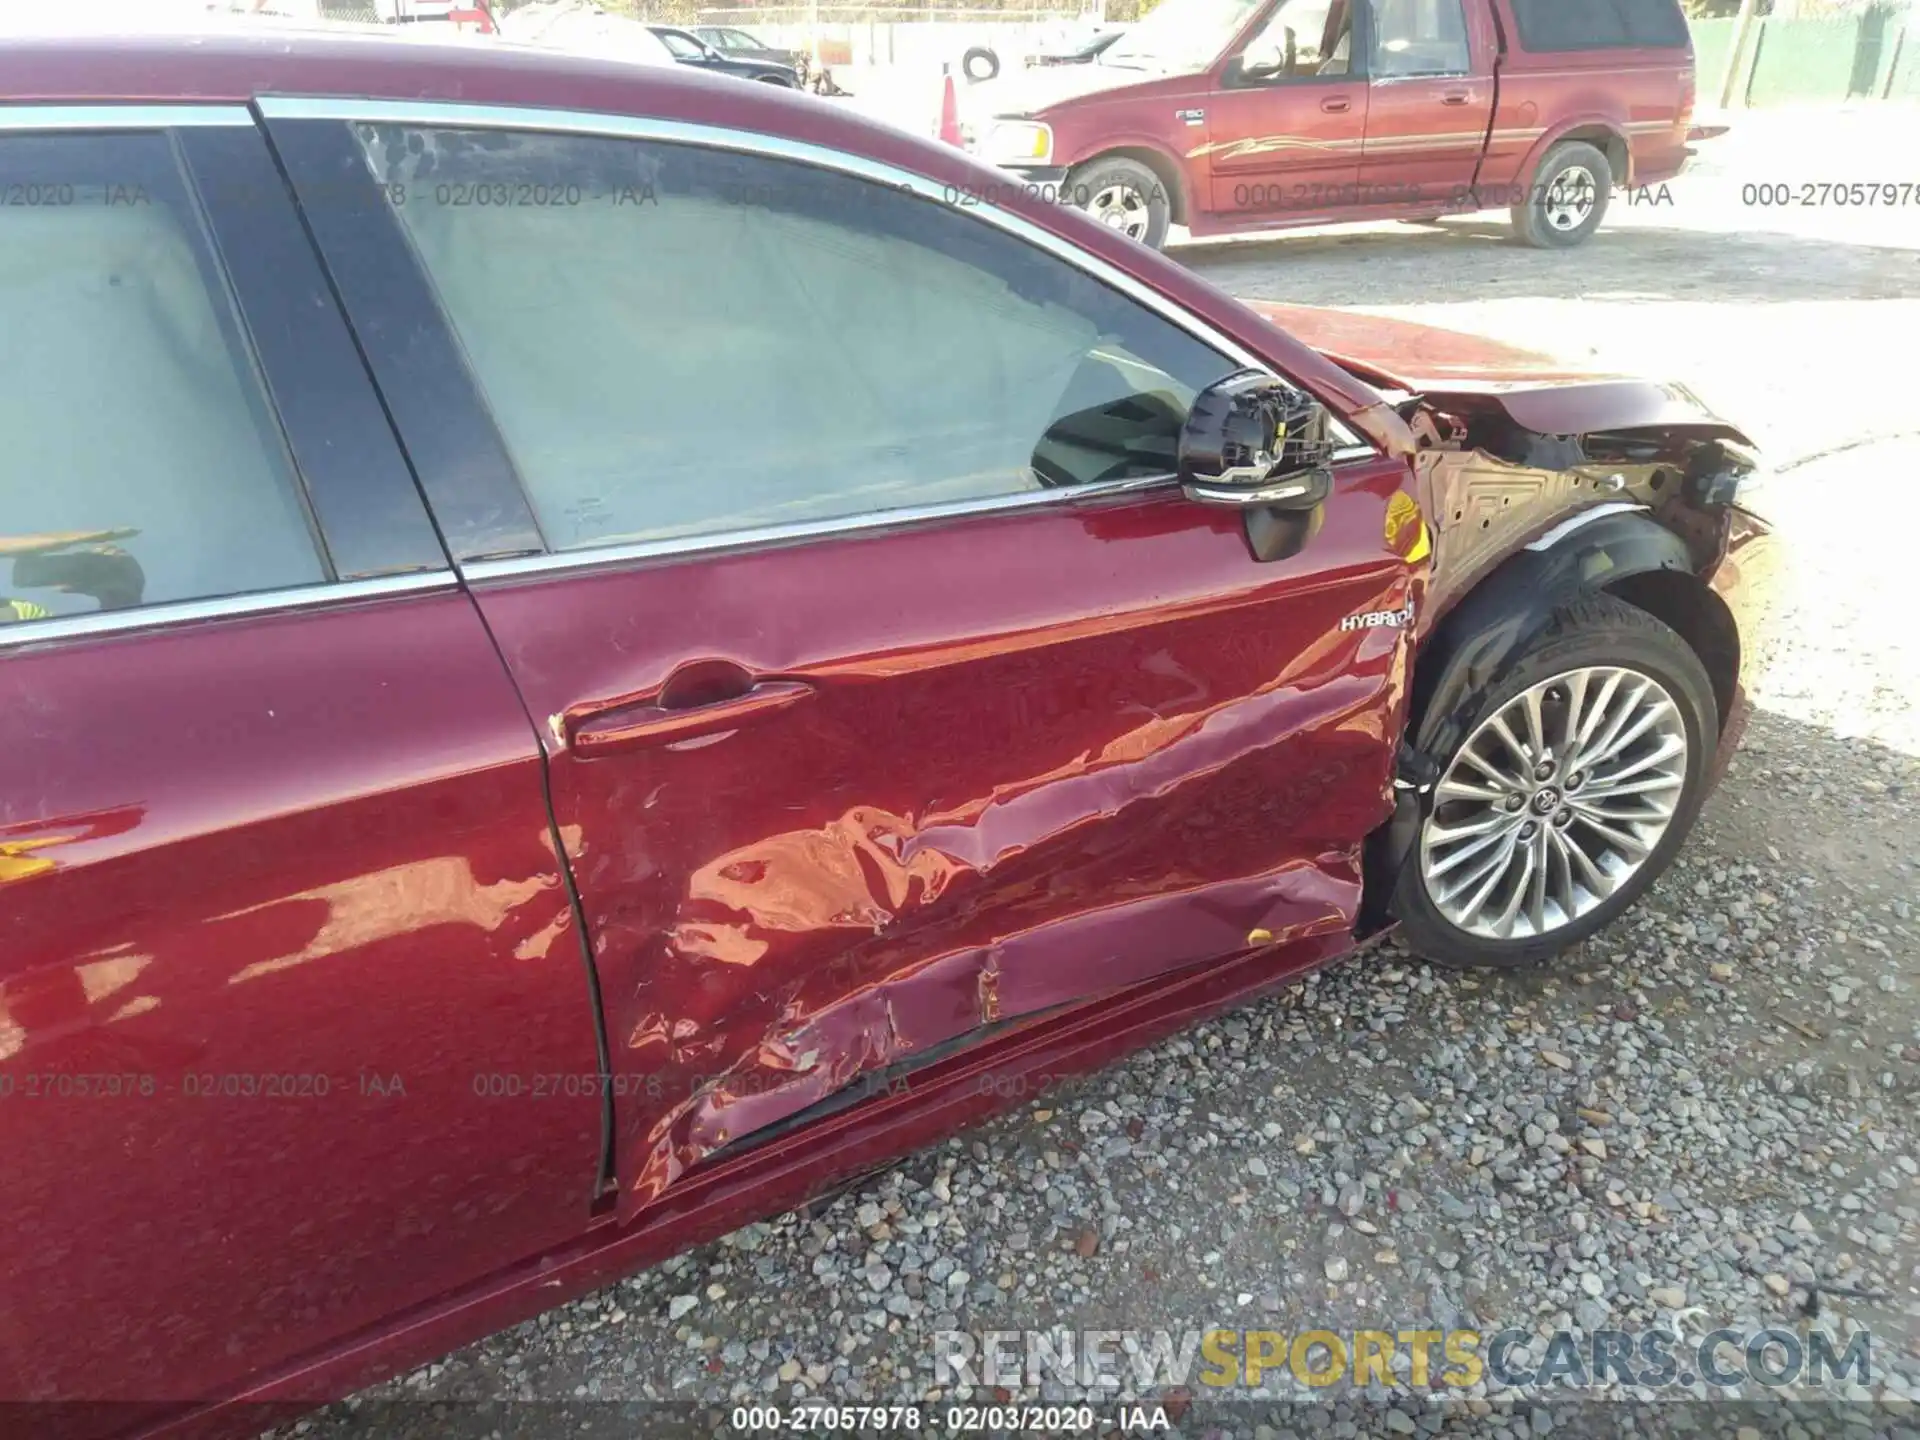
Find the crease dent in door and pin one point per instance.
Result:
(779, 983)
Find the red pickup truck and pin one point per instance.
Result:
(1232, 115)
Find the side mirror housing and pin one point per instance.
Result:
(1254, 442)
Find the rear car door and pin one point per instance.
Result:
(1429, 103)
(284, 937)
(1285, 129)
(891, 691)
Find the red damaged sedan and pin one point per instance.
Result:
(585, 657)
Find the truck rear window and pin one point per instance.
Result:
(1549, 25)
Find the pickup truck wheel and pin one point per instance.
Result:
(1580, 776)
(1568, 198)
(1124, 195)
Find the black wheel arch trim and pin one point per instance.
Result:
(1470, 647)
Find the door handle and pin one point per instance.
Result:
(1336, 105)
(1457, 97)
(596, 730)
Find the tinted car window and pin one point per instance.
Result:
(1419, 37)
(1549, 25)
(141, 462)
(678, 341)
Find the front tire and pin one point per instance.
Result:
(1568, 198)
(1581, 775)
(1124, 195)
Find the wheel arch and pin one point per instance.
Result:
(1163, 165)
(1630, 556)
(1464, 653)
(1603, 135)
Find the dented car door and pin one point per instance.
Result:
(892, 693)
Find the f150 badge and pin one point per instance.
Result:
(1379, 620)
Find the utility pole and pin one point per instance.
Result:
(1737, 53)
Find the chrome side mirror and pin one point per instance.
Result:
(1254, 442)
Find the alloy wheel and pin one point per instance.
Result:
(1121, 207)
(1555, 802)
(1571, 198)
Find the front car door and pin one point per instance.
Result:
(285, 944)
(1286, 126)
(1429, 102)
(892, 693)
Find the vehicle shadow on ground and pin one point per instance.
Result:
(1480, 260)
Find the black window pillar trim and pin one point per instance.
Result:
(449, 435)
(362, 494)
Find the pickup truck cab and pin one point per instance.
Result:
(1234, 115)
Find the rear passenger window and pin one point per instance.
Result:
(679, 341)
(139, 462)
(1550, 25)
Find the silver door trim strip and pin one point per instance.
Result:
(24, 633)
(851, 526)
(145, 115)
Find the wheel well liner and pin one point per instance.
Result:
(1629, 556)
(1604, 138)
(1473, 641)
(1688, 606)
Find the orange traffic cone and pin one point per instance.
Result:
(950, 111)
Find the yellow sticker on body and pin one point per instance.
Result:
(1407, 529)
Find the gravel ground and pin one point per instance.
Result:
(1693, 1123)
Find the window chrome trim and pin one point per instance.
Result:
(867, 522)
(22, 633)
(636, 127)
(146, 115)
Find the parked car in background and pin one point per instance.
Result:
(1082, 51)
(583, 28)
(689, 49)
(1235, 115)
(586, 655)
(738, 44)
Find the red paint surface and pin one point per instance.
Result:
(1044, 757)
(946, 1097)
(314, 852)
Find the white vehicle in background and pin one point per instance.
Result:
(585, 29)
